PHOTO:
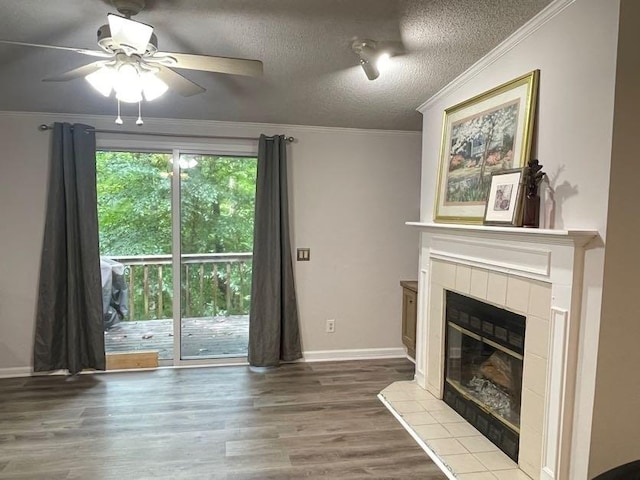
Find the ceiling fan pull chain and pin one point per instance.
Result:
(139, 121)
(119, 119)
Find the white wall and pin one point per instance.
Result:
(575, 52)
(352, 191)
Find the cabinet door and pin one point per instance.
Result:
(409, 316)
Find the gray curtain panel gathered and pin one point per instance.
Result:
(69, 325)
(274, 333)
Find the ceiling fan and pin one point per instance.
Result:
(132, 66)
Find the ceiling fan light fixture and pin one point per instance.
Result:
(128, 84)
(152, 86)
(102, 80)
(129, 96)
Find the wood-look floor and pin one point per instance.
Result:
(319, 420)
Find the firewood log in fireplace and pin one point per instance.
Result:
(497, 368)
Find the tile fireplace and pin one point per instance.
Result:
(515, 388)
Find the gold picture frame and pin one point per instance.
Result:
(486, 134)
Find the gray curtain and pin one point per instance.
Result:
(274, 333)
(69, 326)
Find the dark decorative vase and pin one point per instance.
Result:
(533, 175)
(531, 211)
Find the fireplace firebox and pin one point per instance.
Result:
(484, 348)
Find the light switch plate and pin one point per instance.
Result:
(304, 254)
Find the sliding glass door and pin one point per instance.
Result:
(176, 233)
(134, 215)
(217, 195)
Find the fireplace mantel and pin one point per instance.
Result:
(579, 237)
(453, 255)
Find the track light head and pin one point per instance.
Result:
(370, 57)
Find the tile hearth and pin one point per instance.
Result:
(448, 438)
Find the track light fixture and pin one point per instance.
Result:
(371, 57)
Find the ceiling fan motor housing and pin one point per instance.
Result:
(106, 41)
(129, 8)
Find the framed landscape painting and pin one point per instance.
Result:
(486, 134)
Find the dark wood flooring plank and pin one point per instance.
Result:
(407, 466)
(185, 470)
(319, 421)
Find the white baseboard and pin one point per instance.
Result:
(15, 372)
(311, 356)
(361, 354)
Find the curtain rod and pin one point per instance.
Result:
(44, 127)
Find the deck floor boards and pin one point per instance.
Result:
(302, 420)
(201, 337)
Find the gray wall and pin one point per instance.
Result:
(352, 191)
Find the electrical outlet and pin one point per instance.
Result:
(331, 326)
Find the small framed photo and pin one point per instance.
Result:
(504, 203)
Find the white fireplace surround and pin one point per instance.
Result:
(534, 272)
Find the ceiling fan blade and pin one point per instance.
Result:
(82, 71)
(83, 51)
(234, 66)
(129, 34)
(177, 82)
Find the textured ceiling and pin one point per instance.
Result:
(310, 77)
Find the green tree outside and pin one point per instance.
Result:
(217, 208)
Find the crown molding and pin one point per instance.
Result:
(544, 16)
(157, 125)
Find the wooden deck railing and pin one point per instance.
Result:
(212, 284)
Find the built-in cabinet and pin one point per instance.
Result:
(409, 315)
